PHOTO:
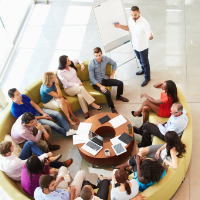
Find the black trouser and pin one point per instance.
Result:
(111, 82)
(103, 188)
(148, 129)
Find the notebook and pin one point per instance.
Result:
(125, 138)
(104, 119)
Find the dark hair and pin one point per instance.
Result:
(34, 166)
(151, 170)
(5, 147)
(171, 90)
(63, 62)
(135, 8)
(27, 117)
(97, 50)
(122, 177)
(45, 181)
(11, 92)
(173, 141)
(86, 193)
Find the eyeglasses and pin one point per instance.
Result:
(173, 112)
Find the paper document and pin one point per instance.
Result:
(118, 121)
(116, 140)
(84, 128)
(79, 139)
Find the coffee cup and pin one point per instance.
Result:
(67, 178)
(107, 152)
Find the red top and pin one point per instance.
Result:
(164, 110)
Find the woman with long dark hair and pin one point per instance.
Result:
(160, 106)
(72, 84)
(168, 152)
(32, 171)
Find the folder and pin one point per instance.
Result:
(104, 119)
(125, 138)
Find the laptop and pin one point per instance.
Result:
(94, 145)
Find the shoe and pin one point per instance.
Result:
(55, 158)
(122, 99)
(145, 82)
(87, 116)
(135, 129)
(143, 144)
(114, 167)
(100, 107)
(140, 72)
(70, 132)
(53, 147)
(98, 180)
(114, 110)
(68, 162)
(132, 112)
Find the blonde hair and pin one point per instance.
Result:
(47, 78)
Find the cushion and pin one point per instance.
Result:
(17, 148)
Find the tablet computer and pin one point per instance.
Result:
(118, 149)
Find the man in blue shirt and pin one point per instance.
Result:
(22, 103)
(99, 79)
(177, 122)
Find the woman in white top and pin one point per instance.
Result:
(166, 153)
(72, 84)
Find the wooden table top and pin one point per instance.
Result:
(99, 128)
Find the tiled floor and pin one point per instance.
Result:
(68, 27)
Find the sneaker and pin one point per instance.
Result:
(71, 132)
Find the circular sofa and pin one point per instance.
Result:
(166, 187)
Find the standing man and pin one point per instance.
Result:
(99, 79)
(141, 33)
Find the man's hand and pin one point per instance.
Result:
(38, 126)
(53, 171)
(45, 135)
(157, 122)
(103, 89)
(111, 77)
(81, 84)
(49, 154)
(45, 116)
(82, 67)
(61, 178)
(151, 37)
(72, 189)
(118, 25)
(157, 155)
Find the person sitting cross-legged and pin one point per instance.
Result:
(22, 103)
(147, 172)
(26, 128)
(11, 165)
(177, 122)
(51, 189)
(99, 79)
(52, 98)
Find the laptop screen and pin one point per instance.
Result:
(96, 138)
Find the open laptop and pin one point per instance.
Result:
(94, 145)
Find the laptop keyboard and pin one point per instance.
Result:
(93, 146)
(97, 141)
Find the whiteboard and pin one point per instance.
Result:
(107, 12)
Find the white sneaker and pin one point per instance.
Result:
(71, 132)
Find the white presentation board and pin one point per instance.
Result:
(107, 12)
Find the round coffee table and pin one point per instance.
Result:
(101, 159)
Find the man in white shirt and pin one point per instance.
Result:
(141, 33)
(177, 122)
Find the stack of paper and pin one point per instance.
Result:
(116, 140)
(118, 121)
(82, 133)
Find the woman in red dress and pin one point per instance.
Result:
(160, 106)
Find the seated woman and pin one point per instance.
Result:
(160, 106)
(51, 96)
(33, 169)
(72, 84)
(147, 172)
(168, 152)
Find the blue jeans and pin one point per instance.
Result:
(63, 126)
(144, 61)
(30, 148)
